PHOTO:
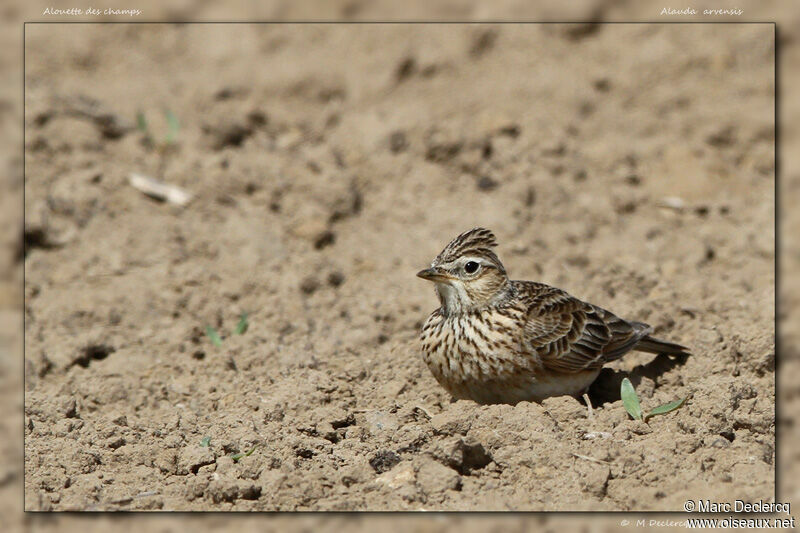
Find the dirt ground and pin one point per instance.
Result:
(632, 165)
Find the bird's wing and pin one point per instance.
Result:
(569, 335)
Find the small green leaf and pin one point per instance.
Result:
(205, 442)
(214, 336)
(630, 400)
(666, 408)
(173, 125)
(238, 456)
(141, 121)
(242, 326)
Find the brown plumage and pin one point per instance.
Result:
(494, 340)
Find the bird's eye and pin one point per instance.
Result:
(471, 267)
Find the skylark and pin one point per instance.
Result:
(494, 340)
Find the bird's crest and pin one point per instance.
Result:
(479, 241)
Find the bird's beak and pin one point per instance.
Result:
(432, 274)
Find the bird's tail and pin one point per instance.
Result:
(657, 346)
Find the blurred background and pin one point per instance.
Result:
(11, 292)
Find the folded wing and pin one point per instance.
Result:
(569, 335)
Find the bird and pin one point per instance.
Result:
(495, 340)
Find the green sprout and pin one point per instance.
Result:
(171, 137)
(141, 123)
(240, 455)
(206, 442)
(172, 127)
(214, 336)
(631, 402)
(242, 326)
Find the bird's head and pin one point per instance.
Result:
(467, 273)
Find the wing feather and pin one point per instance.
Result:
(569, 335)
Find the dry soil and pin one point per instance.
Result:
(632, 165)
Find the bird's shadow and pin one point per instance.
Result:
(605, 388)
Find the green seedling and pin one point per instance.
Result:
(240, 455)
(206, 442)
(666, 408)
(170, 138)
(172, 127)
(631, 402)
(214, 336)
(141, 123)
(242, 326)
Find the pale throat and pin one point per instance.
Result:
(455, 300)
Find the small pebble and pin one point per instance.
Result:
(486, 183)
(309, 285)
